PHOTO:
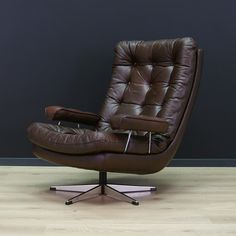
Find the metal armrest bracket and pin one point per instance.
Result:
(149, 141)
(128, 140)
(59, 123)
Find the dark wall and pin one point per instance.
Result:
(56, 52)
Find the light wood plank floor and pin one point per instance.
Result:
(189, 201)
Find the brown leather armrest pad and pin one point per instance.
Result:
(72, 115)
(139, 123)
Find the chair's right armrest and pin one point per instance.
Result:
(72, 115)
(139, 123)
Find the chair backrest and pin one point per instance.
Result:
(152, 78)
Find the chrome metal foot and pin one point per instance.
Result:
(152, 189)
(53, 188)
(133, 188)
(115, 191)
(68, 202)
(136, 203)
(93, 192)
(73, 188)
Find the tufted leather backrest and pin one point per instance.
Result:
(152, 78)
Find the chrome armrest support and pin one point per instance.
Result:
(149, 141)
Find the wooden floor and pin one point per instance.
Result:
(189, 201)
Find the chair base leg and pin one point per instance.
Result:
(111, 190)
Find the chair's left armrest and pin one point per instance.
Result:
(139, 123)
(71, 115)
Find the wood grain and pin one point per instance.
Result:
(189, 201)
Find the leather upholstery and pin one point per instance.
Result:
(72, 115)
(73, 140)
(156, 79)
(139, 123)
(152, 79)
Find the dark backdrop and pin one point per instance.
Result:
(56, 52)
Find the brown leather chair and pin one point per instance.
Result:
(141, 124)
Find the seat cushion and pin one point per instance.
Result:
(84, 141)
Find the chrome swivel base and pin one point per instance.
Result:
(112, 190)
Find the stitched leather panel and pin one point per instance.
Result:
(152, 79)
(139, 123)
(82, 141)
(71, 115)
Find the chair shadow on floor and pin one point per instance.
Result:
(162, 187)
